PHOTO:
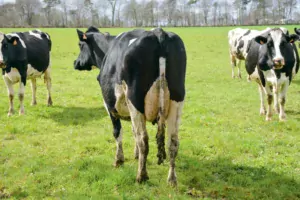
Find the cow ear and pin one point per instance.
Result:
(297, 31)
(260, 39)
(81, 35)
(292, 38)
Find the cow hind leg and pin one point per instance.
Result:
(33, 88)
(10, 91)
(47, 79)
(139, 127)
(233, 64)
(21, 98)
(173, 128)
(239, 68)
(119, 159)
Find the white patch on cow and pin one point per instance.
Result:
(270, 76)
(106, 108)
(131, 41)
(37, 35)
(254, 75)
(16, 35)
(33, 73)
(277, 37)
(121, 105)
(14, 75)
(284, 30)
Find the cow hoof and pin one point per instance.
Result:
(172, 181)
(282, 118)
(21, 112)
(118, 163)
(262, 112)
(142, 178)
(33, 103)
(10, 114)
(50, 102)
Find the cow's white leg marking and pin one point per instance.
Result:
(139, 127)
(270, 100)
(33, 88)
(282, 99)
(173, 122)
(47, 79)
(10, 91)
(21, 98)
(261, 91)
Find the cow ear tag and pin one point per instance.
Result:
(261, 42)
(84, 37)
(291, 41)
(15, 42)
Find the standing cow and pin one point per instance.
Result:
(25, 55)
(239, 39)
(142, 79)
(272, 60)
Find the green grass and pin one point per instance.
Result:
(227, 150)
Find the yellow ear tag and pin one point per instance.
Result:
(261, 42)
(15, 42)
(84, 37)
(291, 41)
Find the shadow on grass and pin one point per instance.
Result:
(76, 115)
(221, 178)
(292, 112)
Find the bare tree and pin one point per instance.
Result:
(27, 9)
(113, 4)
(49, 5)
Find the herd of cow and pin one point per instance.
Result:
(143, 77)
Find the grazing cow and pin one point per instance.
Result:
(142, 79)
(26, 55)
(238, 42)
(272, 61)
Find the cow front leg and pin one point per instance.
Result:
(119, 159)
(261, 91)
(276, 105)
(47, 79)
(282, 99)
(136, 148)
(33, 88)
(141, 137)
(21, 98)
(270, 101)
(10, 91)
(173, 122)
(160, 140)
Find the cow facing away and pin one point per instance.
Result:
(239, 39)
(25, 55)
(142, 79)
(272, 62)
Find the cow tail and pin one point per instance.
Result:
(162, 38)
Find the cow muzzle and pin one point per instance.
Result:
(278, 63)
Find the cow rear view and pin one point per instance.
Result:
(25, 55)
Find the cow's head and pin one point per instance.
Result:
(93, 46)
(13, 50)
(275, 41)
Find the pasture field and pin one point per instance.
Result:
(227, 150)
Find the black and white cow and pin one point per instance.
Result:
(297, 31)
(272, 62)
(143, 79)
(239, 39)
(25, 55)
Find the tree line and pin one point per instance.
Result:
(147, 13)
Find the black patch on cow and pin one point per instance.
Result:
(92, 29)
